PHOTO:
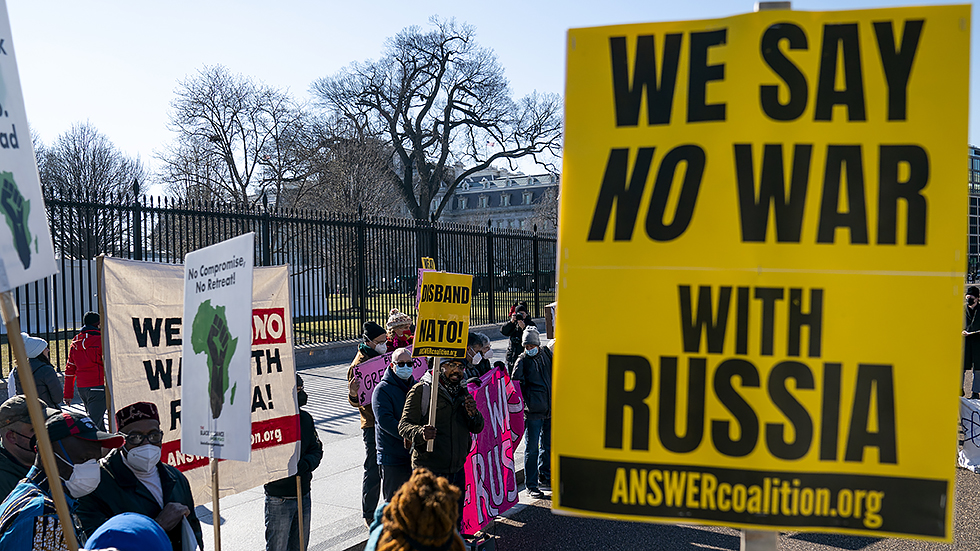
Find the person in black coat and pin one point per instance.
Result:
(533, 371)
(388, 402)
(281, 516)
(514, 329)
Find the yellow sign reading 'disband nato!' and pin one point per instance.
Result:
(779, 200)
(444, 315)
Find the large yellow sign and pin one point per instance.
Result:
(444, 315)
(773, 209)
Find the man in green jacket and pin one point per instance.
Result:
(134, 480)
(16, 450)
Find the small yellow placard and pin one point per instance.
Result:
(444, 315)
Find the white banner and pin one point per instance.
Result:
(217, 313)
(26, 253)
(142, 338)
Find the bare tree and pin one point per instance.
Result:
(84, 166)
(440, 101)
(546, 210)
(236, 138)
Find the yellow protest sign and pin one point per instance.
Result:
(444, 315)
(428, 263)
(775, 206)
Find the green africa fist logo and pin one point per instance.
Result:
(209, 334)
(16, 210)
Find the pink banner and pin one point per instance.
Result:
(369, 373)
(491, 485)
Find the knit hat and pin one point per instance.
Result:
(130, 531)
(396, 318)
(973, 290)
(33, 345)
(136, 412)
(372, 331)
(531, 336)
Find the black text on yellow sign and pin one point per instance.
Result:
(776, 195)
(444, 315)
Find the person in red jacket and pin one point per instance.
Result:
(85, 369)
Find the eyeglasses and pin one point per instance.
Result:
(403, 364)
(136, 439)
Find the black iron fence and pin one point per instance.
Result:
(344, 270)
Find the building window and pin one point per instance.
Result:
(462, 203)
(484, 201)
(527, 197)
(505, 199)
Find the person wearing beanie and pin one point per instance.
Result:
(421, 515)
(971, 337)
(49, 388)
(374, 343)
(84, 369)
(399, 328)
(533, 371)
(514, 329)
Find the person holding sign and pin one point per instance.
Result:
(533, 371)
(375, 344)
(456, 418)
(388, 403)
(28, 519)
(134, 480)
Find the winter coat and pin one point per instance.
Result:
(477, 370)
(388, 403)
(84, 367)
(119, 491)
(46, 379)
(534, 374)
(364, 353)
(11, 472)
(512, 330)
(311, 452)
(453, 428)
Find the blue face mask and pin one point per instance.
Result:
(532, 352)
(405, 371)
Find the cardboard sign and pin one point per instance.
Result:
(370, 372)
(142, 336)
(26, 252)
(217, 352)
(778, 201)
(444, 315)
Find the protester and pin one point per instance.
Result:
(84, 369)
(281, 515)
(478, 355)
(421, 517)
(514, 329)
(16, 446)
(388, 402)
(456, 418)
(971, 337)
(375, 344)
(399, 328)
(134, 480)
(129, 532)
(46, 380)
(28, 519)
(533, 371)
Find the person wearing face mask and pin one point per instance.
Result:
(388, 403)
(457, 417)
(375, 344)
(533, 370)
(134, 480)
(28, 519)
(16, 446)
(399, 328)
(281, 526)
(971, 337)
(478, 355)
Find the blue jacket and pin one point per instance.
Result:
(388, 402)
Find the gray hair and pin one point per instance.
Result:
(477, 340)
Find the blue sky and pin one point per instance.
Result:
(116, 64)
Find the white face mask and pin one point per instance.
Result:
(143, 459)
(488, 355)
(381, 348)
(477, 358)
(84, 478)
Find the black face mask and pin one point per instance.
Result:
(302, 397)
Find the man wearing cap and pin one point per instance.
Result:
(533, 371)
(84, 369)
(134, 480)
(45, 378)
(456, 418)
(28, 519)
(373, 346)
(16, 448)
